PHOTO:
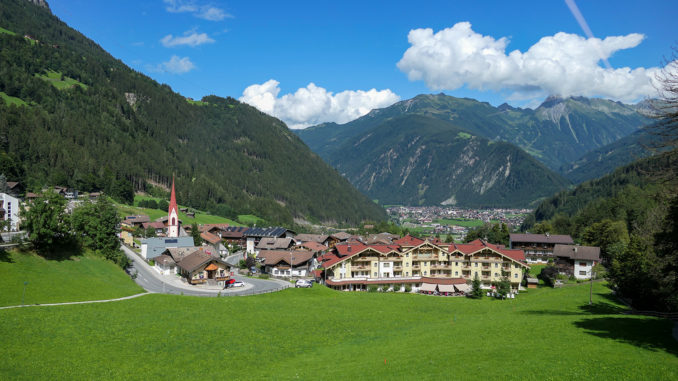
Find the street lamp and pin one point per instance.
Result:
(291, 264)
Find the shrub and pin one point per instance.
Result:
(371, 288)
(549, 275)
(408, 288)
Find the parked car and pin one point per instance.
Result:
(303, 283)
(237, 284)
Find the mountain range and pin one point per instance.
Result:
(557, 133)
(73, 115)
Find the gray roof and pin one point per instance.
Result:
(268, 243)
(164, 260)
(266, 232)
(320, 238)
(179, 253)
(157, 245)
(541, 238)
(576, 252)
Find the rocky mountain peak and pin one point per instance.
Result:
(40, 3)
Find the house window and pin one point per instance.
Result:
(375, 264)
(407, 255)
(515, 265)
(496, 274)
(375, 274)
(583, 264)
(407, 273)
(456, 273)
(173, 223)
(515, 275)
(582, 273)
(387, 264)
(476, 264)
(424, 272)
(496, 265)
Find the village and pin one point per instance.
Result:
(348, 262)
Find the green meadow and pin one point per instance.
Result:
(59, 81)
(318, 333)
(10, 100)
(84, 277)
(200, 217)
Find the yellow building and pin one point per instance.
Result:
(414, 261)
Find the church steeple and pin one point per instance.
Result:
(173, 215)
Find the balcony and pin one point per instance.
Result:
(397, 268)
(360, 267)
(416, 267)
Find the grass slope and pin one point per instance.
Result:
(10, 100)
(200, 217)
(54, 77)
(82, 278)
(324, 334)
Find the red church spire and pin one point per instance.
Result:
(173, 201)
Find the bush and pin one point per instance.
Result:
(408, 288)
(242, 264)
(263, 276)
(549, 274)
(371, 288)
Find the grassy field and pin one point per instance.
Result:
(54, 78)
(322, 334)
(5, 31)
(9, 100)
(461, 222)
(84, 277)
(200, 217)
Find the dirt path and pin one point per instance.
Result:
(83, 302)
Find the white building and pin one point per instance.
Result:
(9, 210)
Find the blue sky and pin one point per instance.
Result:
(348, 48)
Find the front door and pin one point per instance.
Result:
(210, 274)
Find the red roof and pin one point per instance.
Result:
(173, 201)
(408, 240)
(209, 237)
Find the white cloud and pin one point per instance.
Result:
(206, 12)
(176, 65)
(190, 38)
(312, 105)
(563, 64)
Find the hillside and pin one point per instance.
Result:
(86, 120)
(558, 132)
(606, 159)
(636, 194)
(421, 160)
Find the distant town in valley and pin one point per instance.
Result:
(441, 220)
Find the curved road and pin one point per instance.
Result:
(152, 281)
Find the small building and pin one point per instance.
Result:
(254, 235)
(532, 282)
(268, 243)
(287, 263)
(213, 242)
(200, 267)
(9, 211)
(153, 247)
(575, 260)
(538, 248)
(165, 265)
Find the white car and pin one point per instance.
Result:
(237, 284)
(303, 283)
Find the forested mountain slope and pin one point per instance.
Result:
(421, 160)
(75, 116)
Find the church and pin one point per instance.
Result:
(176, 236)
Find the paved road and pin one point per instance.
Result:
(152, 281)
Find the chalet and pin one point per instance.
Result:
(200, 267)
(15, 188)
(233, 236)
(575, 260)
(318, 238)
(410, 260)
(254, 235)
(286, 263)
(213, 244)
(268, 243)
(128, 225)
(158, 227)
(94, 195)
(538, 248)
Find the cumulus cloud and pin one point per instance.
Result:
(190, 38)
(563, 64)
(206, 12)
(176, 65)
(312, 104)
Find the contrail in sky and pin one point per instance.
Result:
(585, 26)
